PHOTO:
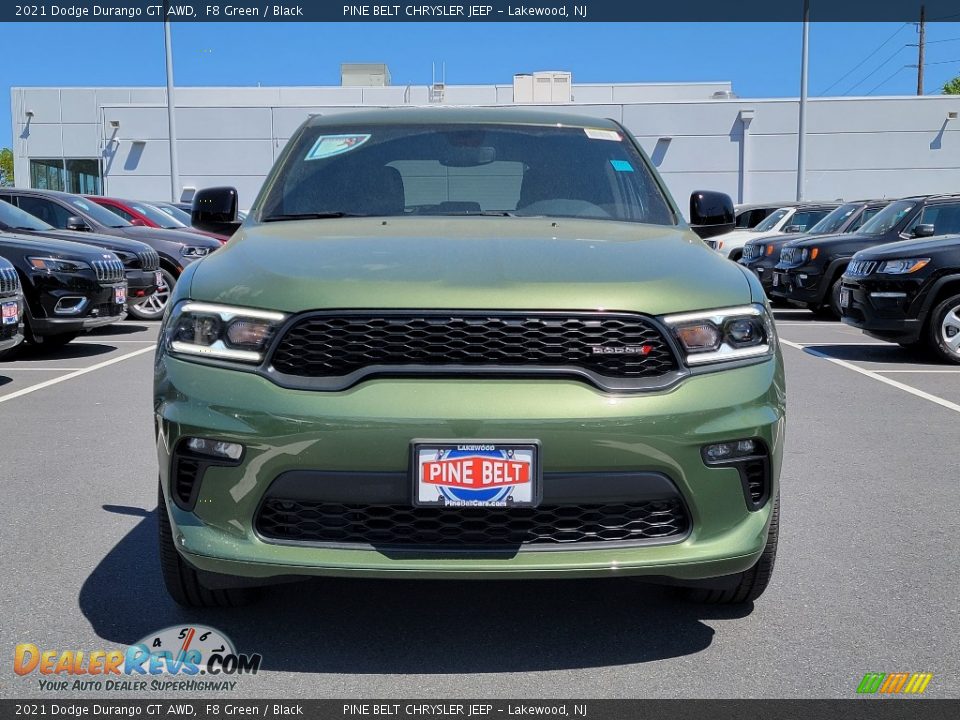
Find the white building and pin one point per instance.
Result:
(115, 140)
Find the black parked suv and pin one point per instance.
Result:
(68, 287)
(762, 254)
(140, 261)
(11, 308)
(177, 249)
(809, 271)
(908, 293)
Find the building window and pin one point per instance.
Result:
(81, 175)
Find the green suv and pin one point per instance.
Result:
(465, 343)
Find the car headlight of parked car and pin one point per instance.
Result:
(726, 334)
(194, 251)
(56, 265)
(809, 254)
(220, 331)
(903, 266)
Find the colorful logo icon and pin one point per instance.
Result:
(902, 683)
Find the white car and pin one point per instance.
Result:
(784, 220)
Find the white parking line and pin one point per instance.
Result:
(110, 341)
(47, 369)
(843, 344)
(76, 373)
(918, 371)
(871, 374)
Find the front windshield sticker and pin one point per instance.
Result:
(600, 134)
(330, 145)
(622, 165)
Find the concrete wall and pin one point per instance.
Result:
(856, 147)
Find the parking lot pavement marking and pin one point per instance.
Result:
(884, 372)
(74, 374)
(870, 374)
(110, 340)
(41, 369)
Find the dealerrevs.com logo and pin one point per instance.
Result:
(902, 683)
(187, 658)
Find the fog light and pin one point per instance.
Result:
(215, 448)
(732, 450)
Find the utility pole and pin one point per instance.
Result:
(921, 45)
(171, 124)
(802, 123)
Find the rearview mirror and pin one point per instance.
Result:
(215, 210)
(924, 230)
(711, 213)
(77, 224)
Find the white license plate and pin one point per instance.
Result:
(120, 294)
(776, 279)
(476, 474)
(158, 281)
(11, 313)
(844, 298)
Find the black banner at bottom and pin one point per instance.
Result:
(853, 709)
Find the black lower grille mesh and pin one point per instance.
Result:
(426, 527)
(756, 477)
(186, 472)
(610, 345)
(107, 309)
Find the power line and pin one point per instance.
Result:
(877, 87)
(945, 62)
(862, 62)
(875, 70)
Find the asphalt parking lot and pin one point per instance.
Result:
(866, 581)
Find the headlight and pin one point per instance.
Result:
(809, 254)
(220, 331)
(194, 251)
(904, 266)
(57, 265)
(724, 335)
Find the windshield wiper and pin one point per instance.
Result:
(312, 216)
(482, 213)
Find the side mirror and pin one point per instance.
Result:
(138, 222)
(711, 213)
(923, 231)
(794, 228)
(77, 223)
(215, 210)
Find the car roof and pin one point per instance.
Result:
(460, 115)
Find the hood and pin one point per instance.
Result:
(143, 233)
(807, 240)
(771, 237)
(111, 242)
(912, 248)
(477, 263)
(37, 245)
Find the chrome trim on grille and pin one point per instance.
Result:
(861, 268)
(108, 271)
(149, 260)
(9, 282)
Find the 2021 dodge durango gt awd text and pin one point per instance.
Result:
(466, 344)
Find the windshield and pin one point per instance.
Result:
(835, 221)
(470, 169)
(887, 219)
(156, 216)
(97, 213)
(14, 218)
(176, 213)
(771, 220)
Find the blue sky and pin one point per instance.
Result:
(761, 59)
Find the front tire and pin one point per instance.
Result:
(943, 333)
(182, 581)
(751, 583)
(152, 308)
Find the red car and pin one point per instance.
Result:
(141, 213)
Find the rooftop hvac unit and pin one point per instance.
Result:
(543, 87)
(364, 75)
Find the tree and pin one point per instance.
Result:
(952, 87)
(6, 167)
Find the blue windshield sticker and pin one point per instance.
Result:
(330, 145)
(622, 165)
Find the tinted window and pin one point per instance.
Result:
(155, 216)
(96, 212)
(119, 212)
(888, 218)
(770, 222)
(465, 170)
(50, 212)
(834, 221)
(13, 217)
(804, 219)
(944, 218)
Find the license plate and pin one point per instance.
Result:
(158, 281)
(776, 279)
(476, 474)
(11, 313)
(120, 294)
(844, 298)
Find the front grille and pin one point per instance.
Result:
(791, 256)
(620, 346)
(755, 476)
(751, 251)
(149, 260)
(9, 282)
(186, 473)
(861, 268)
(108, 271)
(484, 528)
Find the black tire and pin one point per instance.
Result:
(153, 307)
(943, 331)
(182, 582)
(833, 304)
(750, 583)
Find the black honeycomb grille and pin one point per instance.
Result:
(490, 528)
(616, 346)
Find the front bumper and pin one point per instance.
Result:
(368, 430)
(763, 271)
(801, 286)
(141, 284)
(90, 305)
(887, 310)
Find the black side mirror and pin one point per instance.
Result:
(924, 230)
(711, 213)
(215, 210)
(77, 223)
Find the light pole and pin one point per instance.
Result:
(802, 125)
(171, 122)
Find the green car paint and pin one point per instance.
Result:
(455, 263)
